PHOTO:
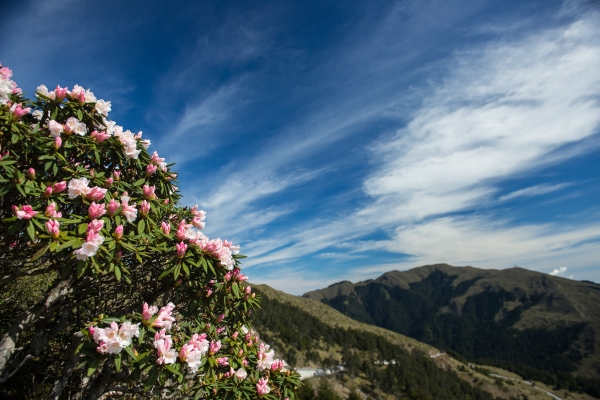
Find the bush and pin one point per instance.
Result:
(137, 300)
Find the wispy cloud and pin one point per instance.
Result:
(536, 190)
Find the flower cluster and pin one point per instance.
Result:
(114, 339)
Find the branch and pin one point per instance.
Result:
(68, 366)
(29, 317)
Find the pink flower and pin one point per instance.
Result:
(214, 347)
(117, 174)
(222, 361)
(221, 329)
(55, 128)
(118, 232)
(235, 335)
(148, 312)
(99, 137)
(108, 183)
(48, 191)
(145, 207)
(113, 207)
(197, 223)
(26, 212)
(57, 142)
(151, 169)
(181, 230)
(18, 111)
(220, 318)
(78, 187)
(165, 318)
(262, 387)
(95, 226)
(166, 227)
(181, 249)
(193, 351)
(278, 365)
(162, 344)
(96, 193)
(96, 210)
(59, 187)
(51, 211)
(248, 289)
(149, 192)
(52, 228)
(60, 93)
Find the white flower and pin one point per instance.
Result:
(42, 89)
(241, 374)
(55, 128)
(38, 114)
(78, 187)
(103, 107)
(75, 126)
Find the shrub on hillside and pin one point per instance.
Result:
(138, 300)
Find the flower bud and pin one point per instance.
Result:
(57, 142)
(118, 256)
(30, 174)
(118, 232)
(48, 192)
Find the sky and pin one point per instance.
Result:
(338, 140)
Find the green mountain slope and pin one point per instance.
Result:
(306, 332)
(541, 326)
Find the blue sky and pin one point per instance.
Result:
(339, 140)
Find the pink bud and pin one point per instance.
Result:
(96, 194)
(248, 289)
(235, 335)
(150, 169)
(148, 192)
(52, 226)
(59, 187)
(117, 174)
(113, 207)
(166, 227)
(118, 232)
(60, 93)
(108, 183)
(91, 330)
(48, 192)
(220, 318)
(96, 210)
(118, 256)
(57, 142)
(30, 174)
(145, 207)
(181, 230)
(181, 249)
(245, 362)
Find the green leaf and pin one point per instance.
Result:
(15, 227)
(14, 138)
(176, 271)
(139, 182)
(66, 244)
(79, 115)
(55, 168)
(131, 353)
(4, 190)
(172, 370)
(167, 272)
(141, 335)
(236, 290)
(93, 366)
(152, 377)
(31, 230)
(20, 189)
(82, 228)
(118, 359)
(185, 269)
(118, 273)
(141, 226)
(81, 267)
(40, 253)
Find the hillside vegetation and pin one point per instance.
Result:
(539, 326)
(309, 333)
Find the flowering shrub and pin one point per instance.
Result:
(145, 303)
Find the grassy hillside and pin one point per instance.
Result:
(541, 326)
(307, 332)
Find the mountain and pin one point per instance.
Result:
(308, 333)
(540, 326)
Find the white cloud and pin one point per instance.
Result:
(537, 190)
(559, 271)
(503, 111)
